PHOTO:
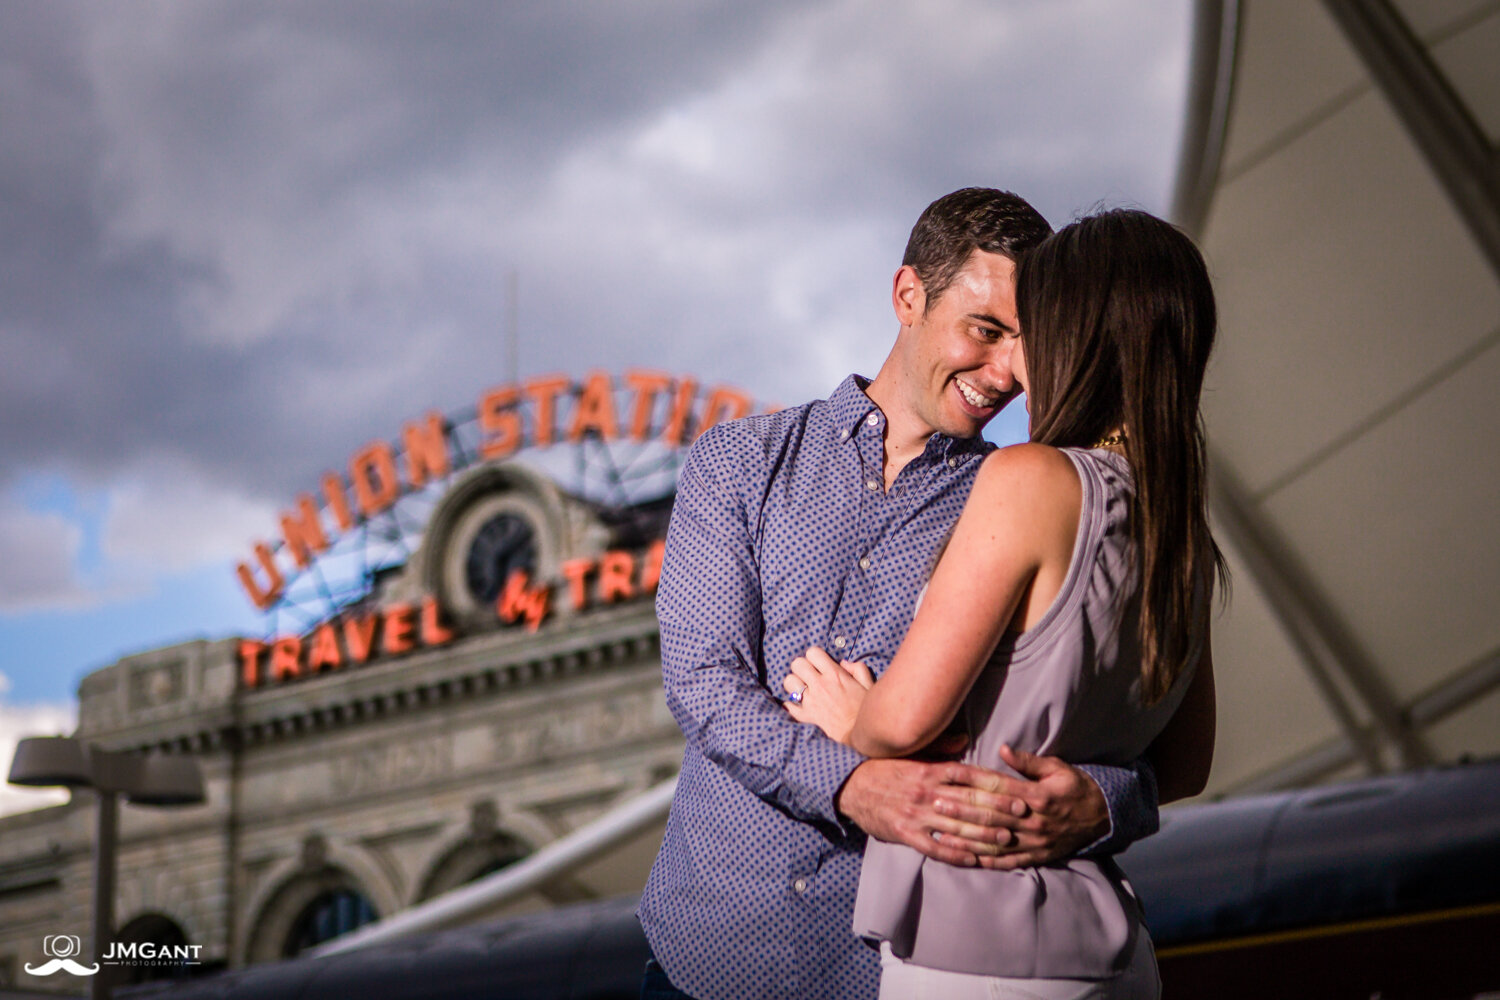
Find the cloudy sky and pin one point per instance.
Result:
(238, 240)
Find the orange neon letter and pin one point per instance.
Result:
(595, 410)
(519, 601)
(544, 390)
(675, 431)
(723, 403)
(434, 633)
(426, 446)
(285, 656)
(325, 650)
(373, 472)
(250, 651)
(576, 572)
(261, 598)
(615, 571)
(359, 637)
(338, 501)
(499, 422)
(651, 571)
(303, 532)
(396, 634)
(646, 385)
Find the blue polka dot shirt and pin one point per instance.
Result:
(783, 536)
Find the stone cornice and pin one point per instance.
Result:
(486, 664)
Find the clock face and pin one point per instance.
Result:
(503, 544)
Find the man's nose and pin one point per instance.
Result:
(998, 365)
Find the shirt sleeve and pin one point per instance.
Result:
(1130, 794)
(709, 608)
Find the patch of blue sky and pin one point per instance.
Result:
(1011, 425)
(46, 653)
(52, 493)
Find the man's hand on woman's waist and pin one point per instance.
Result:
(965, 815)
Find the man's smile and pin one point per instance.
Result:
(974, 397)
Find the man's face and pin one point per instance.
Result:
(957, 352)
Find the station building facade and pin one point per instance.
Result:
(487, 692)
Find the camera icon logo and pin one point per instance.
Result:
(61, 945)
(60, 950)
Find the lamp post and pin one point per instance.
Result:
(143, 780)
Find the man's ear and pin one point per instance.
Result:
(908, 297)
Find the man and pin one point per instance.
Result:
(817, 526)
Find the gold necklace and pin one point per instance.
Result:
(1110, 441)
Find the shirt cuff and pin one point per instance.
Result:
(1130, 796)
(826, 780)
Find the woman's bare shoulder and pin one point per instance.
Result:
(1031, 486)
(1032, 468)
(1030, 495)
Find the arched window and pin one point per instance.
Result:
(331, 913)
(473, 860)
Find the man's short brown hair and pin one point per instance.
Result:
(953, 227)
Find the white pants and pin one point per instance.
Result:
(901, 980)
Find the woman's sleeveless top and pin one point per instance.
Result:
(1069, 687)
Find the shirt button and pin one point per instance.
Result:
(799, 885)
(872, 420)
(952, 463)
(864, 562)
(839, 642)
(844, 434)
(872, 485)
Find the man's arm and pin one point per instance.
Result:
(709, 608)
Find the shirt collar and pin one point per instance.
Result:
(850, 407)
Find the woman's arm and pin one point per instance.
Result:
(1011, 549)
(1182, 754)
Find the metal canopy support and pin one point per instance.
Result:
(1476, 681)
(1210, 86)
(1434, 115)
(1324, 645)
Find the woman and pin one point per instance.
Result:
(1067, 616)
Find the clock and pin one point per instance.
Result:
(493, 521)
(504, 543)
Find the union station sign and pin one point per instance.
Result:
(502, 547)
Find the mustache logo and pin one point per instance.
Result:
(66, 964)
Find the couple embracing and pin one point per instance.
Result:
(929, 688)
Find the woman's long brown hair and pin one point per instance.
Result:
(1118, 319)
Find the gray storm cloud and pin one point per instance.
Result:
(249, 237)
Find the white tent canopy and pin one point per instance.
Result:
(1340, 169)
